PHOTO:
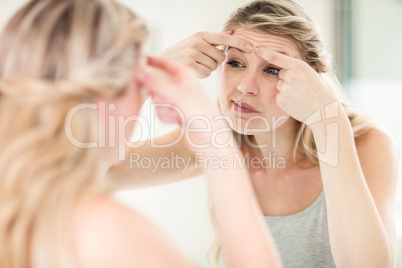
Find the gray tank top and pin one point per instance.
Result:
(302, 238)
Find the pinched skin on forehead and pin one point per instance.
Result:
(269, 41)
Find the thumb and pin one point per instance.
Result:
(167, 112)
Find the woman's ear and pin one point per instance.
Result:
(136, 83)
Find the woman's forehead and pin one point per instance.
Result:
(269, 41)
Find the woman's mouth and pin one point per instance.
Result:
(242, 107)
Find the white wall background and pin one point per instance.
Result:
(180, 209)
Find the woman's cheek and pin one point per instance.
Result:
(224, 96)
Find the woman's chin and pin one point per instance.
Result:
(265, 126)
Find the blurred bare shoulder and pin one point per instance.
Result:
(109, 234)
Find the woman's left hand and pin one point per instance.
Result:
(302, 91)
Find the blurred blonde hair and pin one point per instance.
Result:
(287, 19)
(55, 54)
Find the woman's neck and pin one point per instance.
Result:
(276, 146)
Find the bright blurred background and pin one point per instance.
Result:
(366, 40)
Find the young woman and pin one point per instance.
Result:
(329, 197)
(69, 68)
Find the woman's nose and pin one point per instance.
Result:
(249, 84)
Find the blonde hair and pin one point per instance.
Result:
(55, 54)
(287, 19)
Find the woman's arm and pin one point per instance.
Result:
(246, 241)
(199, 52)
(152, 163)
(245, 237)
(360, 194)
(360, 183)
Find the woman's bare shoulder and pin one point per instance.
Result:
(109, 234)
(378, 156)
(375, 140)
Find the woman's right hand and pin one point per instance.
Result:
(236, 208)
(199, 51)
(180, 98)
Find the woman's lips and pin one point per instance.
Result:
(242, 107)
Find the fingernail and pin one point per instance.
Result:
(256, 50)
(249, 48)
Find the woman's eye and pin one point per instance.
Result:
(272, 71)
(235, 64)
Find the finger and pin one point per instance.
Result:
(217, 39)
(281, 74)
(279, 100)
(201, 70)
(165, 109)
(156, 98)
(157, 85)
(165, 113)
(214, 53)
(279, 85)
(168, 115)
(275, 58)
(208, 62)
